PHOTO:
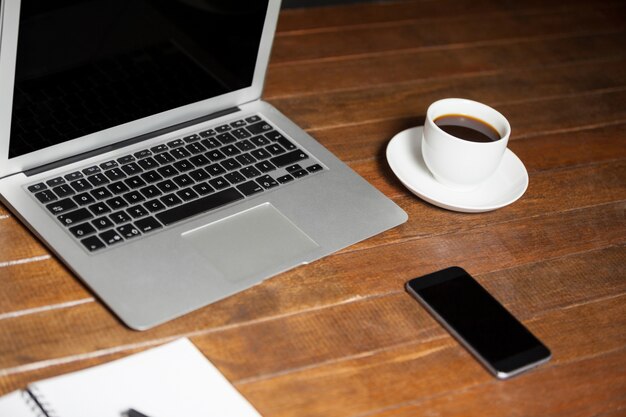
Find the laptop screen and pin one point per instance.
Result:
(87, 65)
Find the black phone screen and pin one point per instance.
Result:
(478, 319)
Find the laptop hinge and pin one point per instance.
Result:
(127, 142)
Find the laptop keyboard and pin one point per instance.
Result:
(144, 192)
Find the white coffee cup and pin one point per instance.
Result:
(460, 163)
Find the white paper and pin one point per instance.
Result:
(173, 380)
(18, 404)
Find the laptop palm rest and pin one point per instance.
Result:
(248, 243)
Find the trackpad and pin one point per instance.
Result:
(251, 242)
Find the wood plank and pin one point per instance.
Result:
(325, 76)
(479, 251)
(380, 14)
(411, 100)
(443, 32)
(345, 333)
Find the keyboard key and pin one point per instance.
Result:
(118, 187)
(222, 129)
(55, 181)
(226, 138)
(199, 175)
(252, 119)
(151, 176)
(171, 200)
(159, 148)
(91, 170)
(180, 153)
(144, 153)
(97, 180)
(294, 167)
(265, 166)
(260, 141)
(183, 166)
(191, 138)
(238, 123)
(61, 206)
(135, 182)
(76, 216)
(81, 185)
(150, 191)
(230, 164)
(245, 145)
(195, 148)
(257, 128)
(63, 190)
(198, 206)
(148, 163)
(120, 217)
(245, 159)
(116, 203)
(249, 188)
(175, 143)
(92, 243)
(128, 231)
(215, 169)
(37, 187)
(260, 154)
(148, 224)
(289, 158)
(102, 223)
(82, 230)
(115, 174)
(275, 149)
(164, 158)
(285, 143)
(108, 165)
(234, 177)
(218, 183)
(166, 186)
(207, 133)
(183, 180)
(230, 150)
(240, 134)
(110, 237)
(315, 168)
(299, 174)
(137, 212)
(154, 205)
(99, 209)
(250, 172)
(203, 188)
(214, 155)
(101, 193)
(45, 196)
(84, 198)
(167, 171)
(187, 194)
(211, 143)
(133, 197)
(73, 176)
(132, 169)
(125, 159)
(267, 182)
(284, 179)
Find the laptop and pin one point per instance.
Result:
(134, 143)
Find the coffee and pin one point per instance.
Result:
(467, 128)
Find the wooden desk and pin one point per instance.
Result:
(340, 337)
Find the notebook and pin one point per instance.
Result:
(135, 144)
(174, 379)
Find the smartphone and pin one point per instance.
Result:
(477, 320)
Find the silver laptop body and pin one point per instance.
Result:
(193, 256)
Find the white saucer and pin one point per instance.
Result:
(506, 185)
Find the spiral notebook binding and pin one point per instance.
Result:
(37, 403)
